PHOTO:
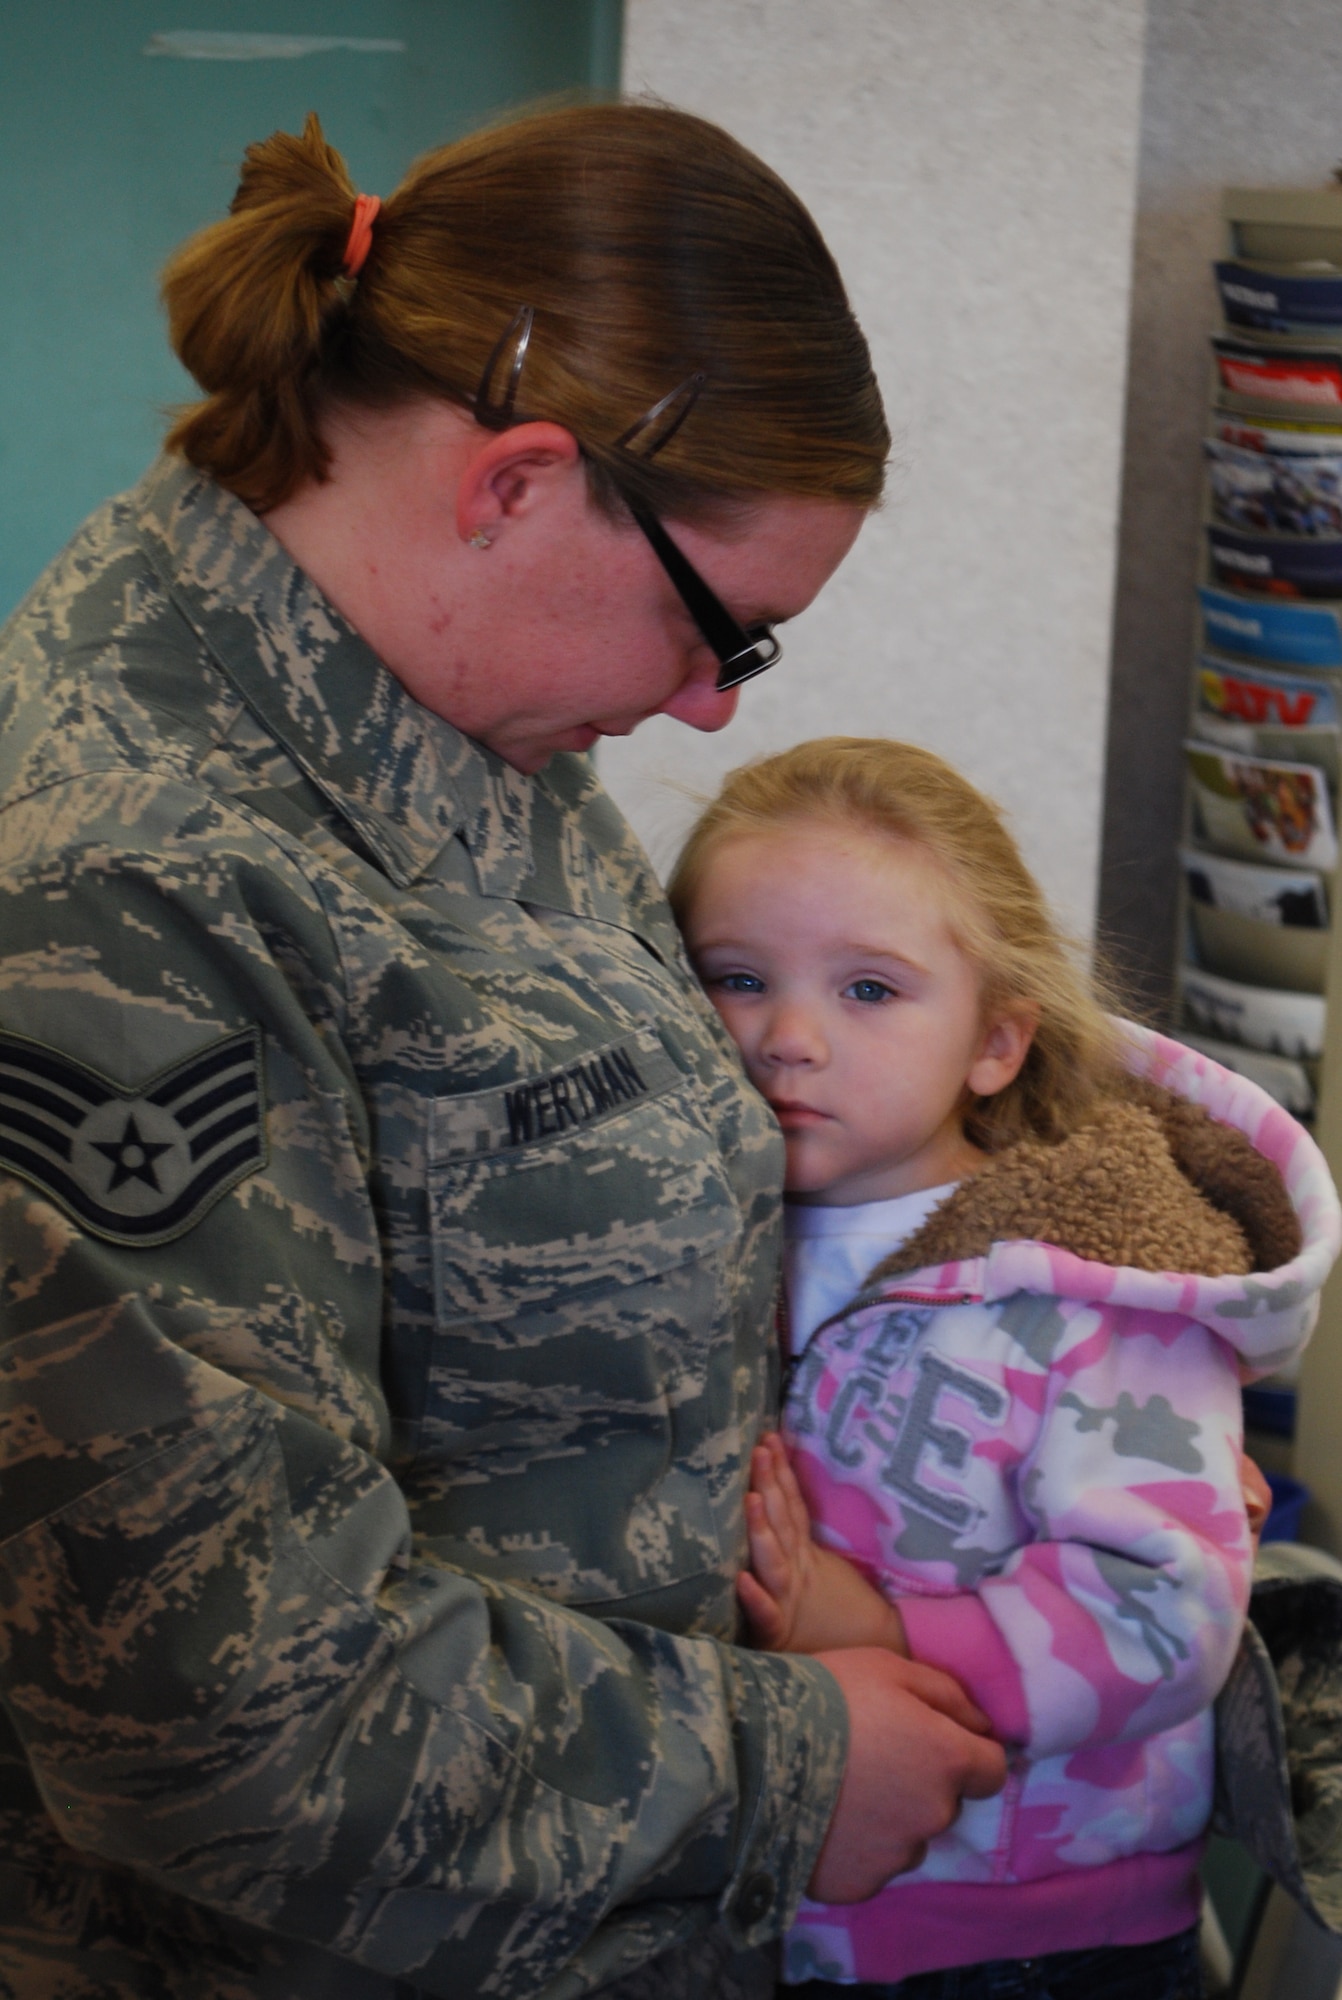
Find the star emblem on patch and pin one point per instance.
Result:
(141, 1165)
(132, 1156)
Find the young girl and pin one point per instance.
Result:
(1018, 1242)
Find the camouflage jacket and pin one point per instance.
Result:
(388, 1257)
(1279, 1729)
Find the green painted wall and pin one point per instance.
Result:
(109, 156)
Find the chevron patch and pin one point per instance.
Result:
(140, 1166)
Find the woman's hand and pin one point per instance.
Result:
(797, 1596)
(917, 1746)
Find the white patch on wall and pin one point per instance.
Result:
(211, 45)
(973, 167)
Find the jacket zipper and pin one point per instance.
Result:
(913, 1299)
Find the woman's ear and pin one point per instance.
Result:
(1005, 1045)
(509, 475)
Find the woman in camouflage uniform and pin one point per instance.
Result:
(388, 1233)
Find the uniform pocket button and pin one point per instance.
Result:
(756, 1900)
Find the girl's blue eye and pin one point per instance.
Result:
(740, 982)
(870, 990)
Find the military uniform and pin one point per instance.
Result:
(1279, 1729)
(388, 1243)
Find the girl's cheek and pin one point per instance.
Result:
(730, 1021)
(721, 1005)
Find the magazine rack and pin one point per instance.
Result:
(1260, 913)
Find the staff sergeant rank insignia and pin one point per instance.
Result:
(133, 1166)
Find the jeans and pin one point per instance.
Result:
(1167, 1970)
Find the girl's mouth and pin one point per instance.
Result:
(797, 1115)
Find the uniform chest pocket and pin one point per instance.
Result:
(573, 1184)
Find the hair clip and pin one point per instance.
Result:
(517, 334)
(674, 407)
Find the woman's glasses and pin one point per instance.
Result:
(741, 651)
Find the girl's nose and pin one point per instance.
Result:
(793, 1035)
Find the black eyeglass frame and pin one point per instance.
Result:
(741, 651)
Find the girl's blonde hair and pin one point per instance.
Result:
(996, 912)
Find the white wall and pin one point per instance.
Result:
(972, 164)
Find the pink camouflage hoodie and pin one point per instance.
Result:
(1034, 1449)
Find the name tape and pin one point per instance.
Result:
(597, 1085)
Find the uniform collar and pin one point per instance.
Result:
(404, 779)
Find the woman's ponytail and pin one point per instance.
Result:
(248, 302)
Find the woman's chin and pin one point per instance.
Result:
(530, 754)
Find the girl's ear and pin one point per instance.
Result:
(1005, 1045)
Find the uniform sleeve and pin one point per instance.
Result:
(1121, 1618)
(231, 1665)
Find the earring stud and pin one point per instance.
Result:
(480, 540)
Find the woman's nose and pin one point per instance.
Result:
(697, 702)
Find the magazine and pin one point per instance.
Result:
(1280, 301)
(1285, 1024)
(1280, 717)
(1265, 925)
(1260, 809)
(1261, 699)
(1267, 628)
(1291, 899)
(1287, 565)
(1288, 1082)
(1320, 747)
(1275, 492)
(1302, 377)
(1284, 439)
(1288, 959)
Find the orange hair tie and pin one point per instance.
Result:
(360, 240)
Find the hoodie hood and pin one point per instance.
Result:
(1194, 1194)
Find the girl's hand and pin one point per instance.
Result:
(782, 1554)
(797, 1596)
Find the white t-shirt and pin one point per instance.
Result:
(828, 1252)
